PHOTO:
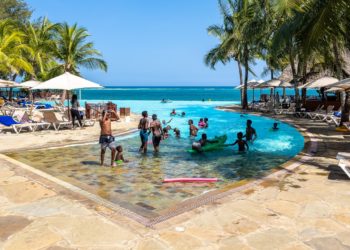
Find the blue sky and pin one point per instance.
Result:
(154, 42)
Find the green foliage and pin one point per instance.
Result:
(16, 10)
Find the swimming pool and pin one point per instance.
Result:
(138, 186)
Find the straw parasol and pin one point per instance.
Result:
(343, 84)
(322, 82)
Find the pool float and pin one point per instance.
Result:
(190, 180)
(119, 162)
(342, 129)
(212, 146)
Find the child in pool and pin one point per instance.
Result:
(274, 128)
(193, 129)
(201, 123)
(206, 121)
(242, 144)
(183, 114)
(165, 133)
(166, 122)
(119, 157)
(177, 132)
(173, 112)
(202, 142)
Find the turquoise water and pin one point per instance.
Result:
(138, 186)
(175, 93)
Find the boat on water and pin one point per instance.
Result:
(166, 101)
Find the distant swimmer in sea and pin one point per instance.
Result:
(144, 131)
(173, 112)
(242, 144)
(250, 133)
(275, 126)
(120, 157)
(156, 129)
(193, 129)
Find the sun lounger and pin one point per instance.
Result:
(345, 166)
(50, 117)
(312, 114)
(323, 115)
(36, 124)
(8, 122)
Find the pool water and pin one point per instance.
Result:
(138, 186)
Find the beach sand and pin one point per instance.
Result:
(51, 138)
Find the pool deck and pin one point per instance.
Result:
(307, 207)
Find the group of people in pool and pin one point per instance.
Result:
(159, 133)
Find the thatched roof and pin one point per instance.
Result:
(315, 73)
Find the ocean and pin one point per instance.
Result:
(174, 93)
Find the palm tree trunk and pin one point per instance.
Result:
(271, 71)
(240, 79)
(295, 80)
(246, 66)
(344, 97)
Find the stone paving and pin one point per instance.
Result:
(307, 208)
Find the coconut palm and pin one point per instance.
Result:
(74, 51)
(13, 50)
(40, 37)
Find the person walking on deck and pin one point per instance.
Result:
(74, 111)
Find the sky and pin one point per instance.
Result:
(153, 42)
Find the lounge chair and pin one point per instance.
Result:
(36, 124)
(8, 122)
(50, 117)
(323, 115)
(312, 114)
(344, 164)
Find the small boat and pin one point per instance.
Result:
(190, 180)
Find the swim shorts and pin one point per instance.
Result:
(156, 140)
(144, 135)
(107, 141)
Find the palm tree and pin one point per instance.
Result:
(13, 50)
(40, 38)
(73, 51)
(221, 52)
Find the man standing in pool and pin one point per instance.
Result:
(250, 133)
(144, 131)
(157, 131)
(106, 138)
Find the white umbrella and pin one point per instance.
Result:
(322, 82)
(343, 84)
(30, 84)
(334, 89)
(67, 81)
(8, 84)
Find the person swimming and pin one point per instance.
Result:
(173, 112)
(206, 121)
(242, 144)
(166, 122)
(165, 133)
(275, 126)
(120, 157)
(201, 123)
(183, 114)
(197, 145)
(193, 129)
(250, 133)
(177, 132)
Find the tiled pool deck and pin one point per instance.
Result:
(307, 206)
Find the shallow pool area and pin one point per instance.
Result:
(138, 185)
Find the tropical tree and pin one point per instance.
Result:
(73, 51)
(13, 49)
(40, 37)
(16, 10)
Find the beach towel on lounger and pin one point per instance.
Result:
(7, 120)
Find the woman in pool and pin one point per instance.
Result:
(201, 123)
(193, 129)
(173, 112)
